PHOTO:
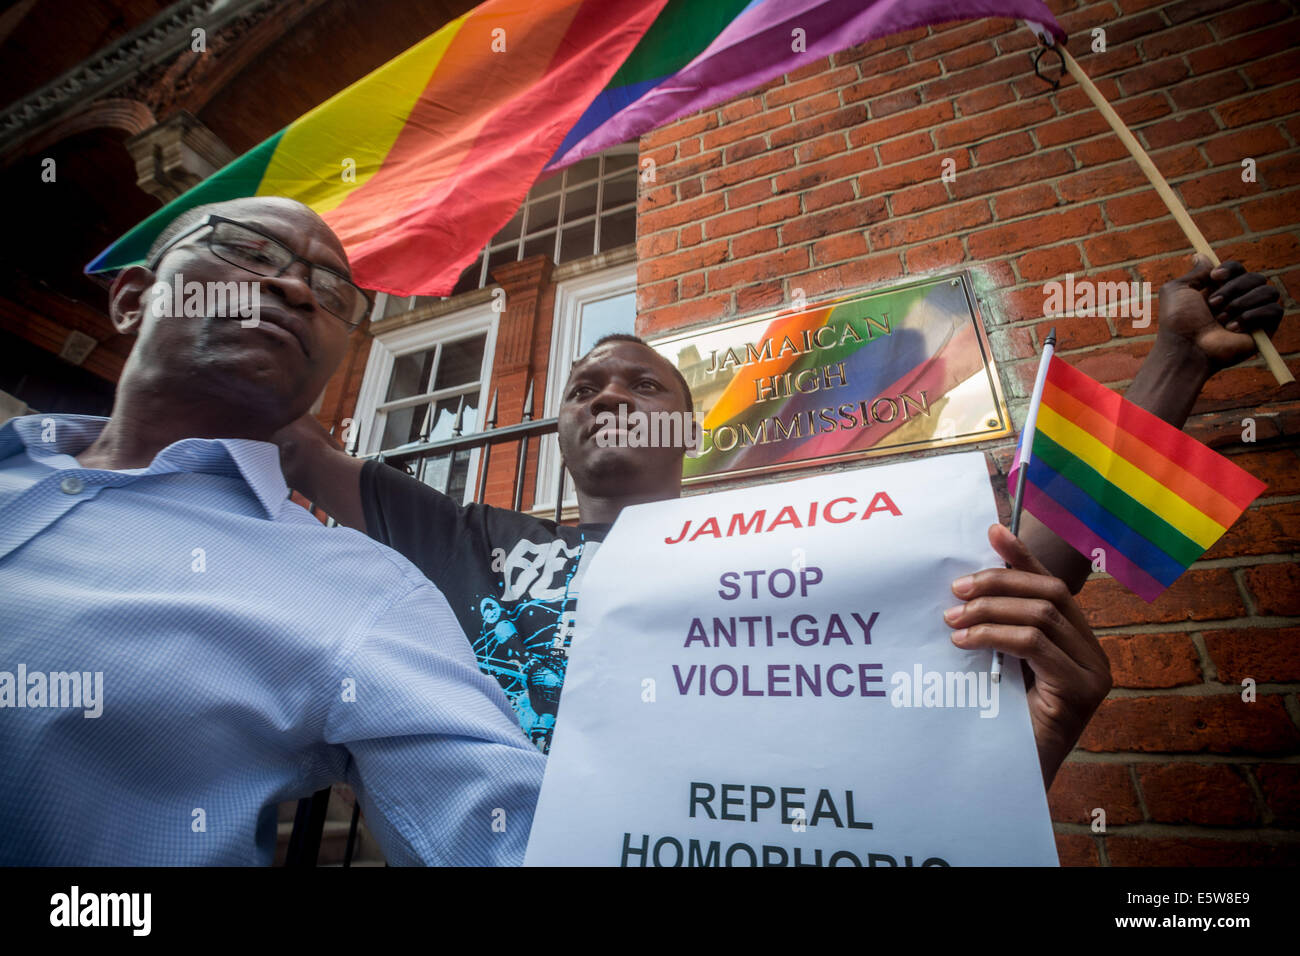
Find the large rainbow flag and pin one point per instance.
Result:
(703, 52)
(444, 140)
(417, 165)
(1106, 474)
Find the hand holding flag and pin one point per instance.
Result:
(1215, 309)
(1123, 487)
(1023, 610)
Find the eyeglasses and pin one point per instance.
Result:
(261, 255)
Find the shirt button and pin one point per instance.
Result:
(71, 485)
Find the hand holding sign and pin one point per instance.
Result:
(1023, 610)
(727, 706)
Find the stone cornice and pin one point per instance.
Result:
(144, 47)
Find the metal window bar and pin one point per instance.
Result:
(309, 819)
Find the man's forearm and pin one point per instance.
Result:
(1170, 380)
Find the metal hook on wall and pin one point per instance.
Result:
(1054, 83)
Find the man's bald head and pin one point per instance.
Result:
(186, 220)
(231, 208)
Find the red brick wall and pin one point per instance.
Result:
(829, 179)
(528, 286)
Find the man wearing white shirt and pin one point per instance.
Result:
(230, 653)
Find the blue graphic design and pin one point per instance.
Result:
(515, 646)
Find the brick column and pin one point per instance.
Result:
(524, 284)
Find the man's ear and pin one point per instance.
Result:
(128, 297)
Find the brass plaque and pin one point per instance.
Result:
(869, 374)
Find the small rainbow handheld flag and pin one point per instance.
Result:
(1106, 474)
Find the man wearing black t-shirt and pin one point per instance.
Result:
(513, 580)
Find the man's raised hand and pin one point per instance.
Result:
(1215, 308)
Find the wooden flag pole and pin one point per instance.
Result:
(1262, 342)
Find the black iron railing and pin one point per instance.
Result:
(309, 820)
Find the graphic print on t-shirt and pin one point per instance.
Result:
(510, 578)
(524, 630)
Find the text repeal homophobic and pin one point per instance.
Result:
(763, 677)
(739, 803)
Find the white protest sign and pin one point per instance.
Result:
(764, 676)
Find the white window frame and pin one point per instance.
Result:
(386, 347)
(571, 296)
(565, 190)
(407, 303)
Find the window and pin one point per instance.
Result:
(586, 308)
(589, 207)
(418, 378)
(428, 382)
(387, 306)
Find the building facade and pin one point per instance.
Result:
(928, 153)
